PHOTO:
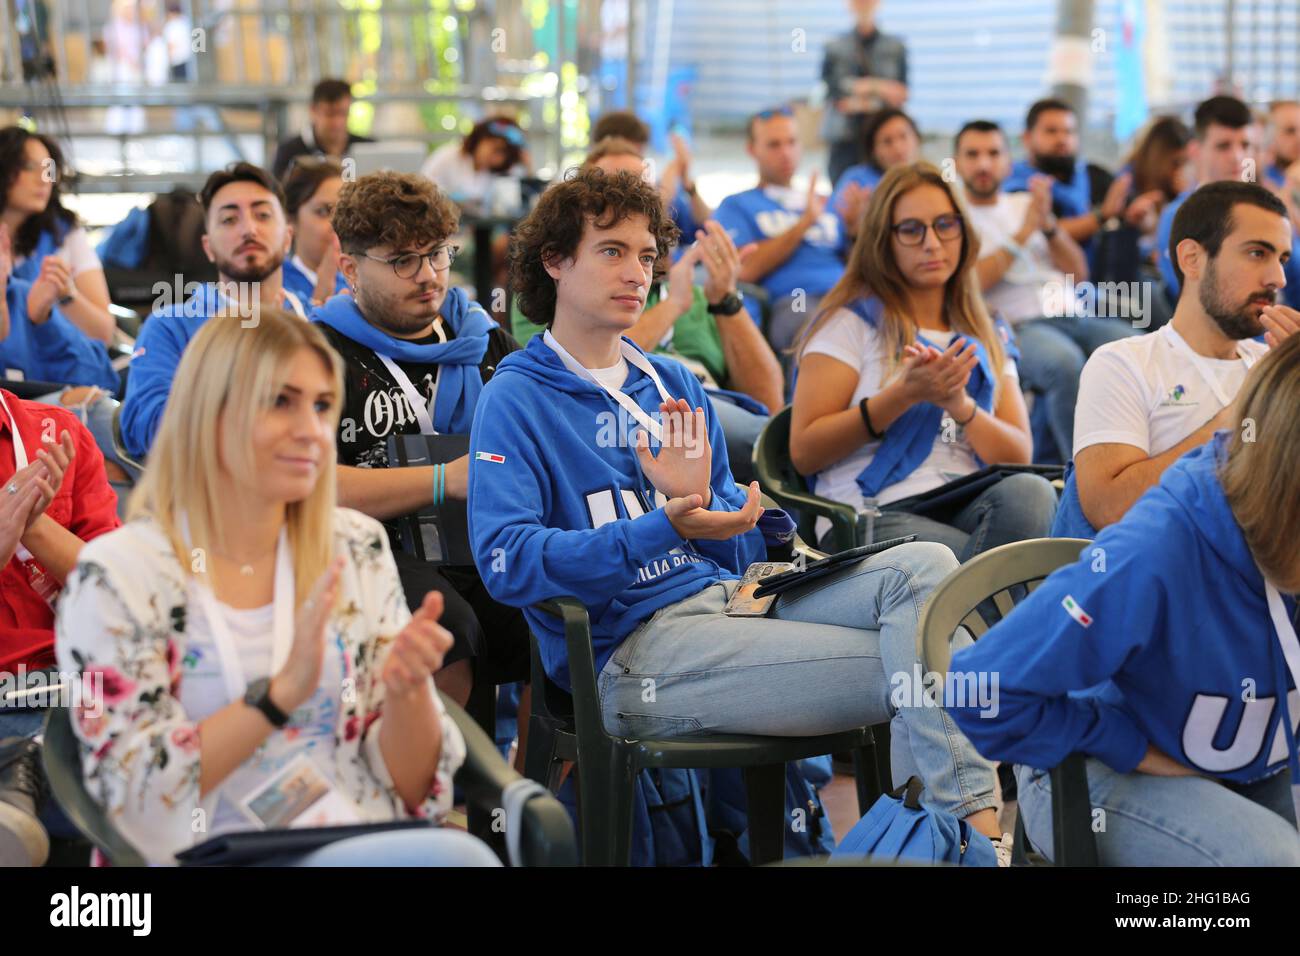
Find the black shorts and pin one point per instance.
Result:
(481, 627)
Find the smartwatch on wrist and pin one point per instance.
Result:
(258, 696)
(729, 304)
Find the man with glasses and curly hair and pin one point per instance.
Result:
(416, 355)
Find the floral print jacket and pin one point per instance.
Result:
(122, 620)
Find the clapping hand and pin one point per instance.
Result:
(692, 519)
(417, 651)
(938, 377)
(684, 465)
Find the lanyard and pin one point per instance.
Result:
(1286, 636)
(419, 407)
(232, 671)
(290, 299)
(1202, 369)
(634, 358)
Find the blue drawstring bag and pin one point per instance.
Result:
(899, 827)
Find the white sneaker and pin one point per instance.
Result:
(1003, 849)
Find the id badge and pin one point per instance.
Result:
(742, 602)
(300, 795)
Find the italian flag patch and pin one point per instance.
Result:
(1079, 614)
(488, 456)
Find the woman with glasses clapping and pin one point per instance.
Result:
(905, 384)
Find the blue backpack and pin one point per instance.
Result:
(899, 827)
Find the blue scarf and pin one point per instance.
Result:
(459, 382)
(910, 438)
(47, 244)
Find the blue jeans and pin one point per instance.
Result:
(433, 847)
(741, 429)
(828, 659)
(1017, 508)
(1173, 821)
(1052, 353)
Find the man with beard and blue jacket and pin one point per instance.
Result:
(416, 354)
(247, 239)
(568, 498)
(1167, 655)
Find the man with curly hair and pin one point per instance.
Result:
(567, 497)
(416, 354)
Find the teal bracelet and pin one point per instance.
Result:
(437, 485)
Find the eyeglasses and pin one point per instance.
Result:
(407, 265)
(777, 111)
(911, 232)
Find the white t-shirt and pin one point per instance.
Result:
(847, 338)
(453, 172)
(76, 251)
(1019, 294)
(1148, 391)
(311, 727)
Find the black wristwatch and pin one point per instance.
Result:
(259, 695)
(729, 304)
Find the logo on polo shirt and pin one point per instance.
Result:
(1176, 396)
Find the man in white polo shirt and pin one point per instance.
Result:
(1146, 401)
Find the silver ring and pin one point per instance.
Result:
(12, 488)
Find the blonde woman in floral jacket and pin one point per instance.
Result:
(258, 664)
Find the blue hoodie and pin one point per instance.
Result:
(56, 350)
(1170, 643)
(158, 350)
(569, 513)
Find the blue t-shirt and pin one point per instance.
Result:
(764, 213)
(1165, 230)
(1068, 199)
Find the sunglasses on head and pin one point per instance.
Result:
(511, 134)
(777, 111)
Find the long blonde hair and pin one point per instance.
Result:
(1263, 461)
(873, 271)
(228, 376)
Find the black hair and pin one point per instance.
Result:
(1049, 105)
(871, 129)
(330, 91)
(1221, 111)
(1206, 215)
(54, 218)
(976, 126)
(240, 172)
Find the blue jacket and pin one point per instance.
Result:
(297, 282)
(569, 512)
(1070, 521)
(1165, 230)
(1169, 643)
(158, 349)
(56, 350)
